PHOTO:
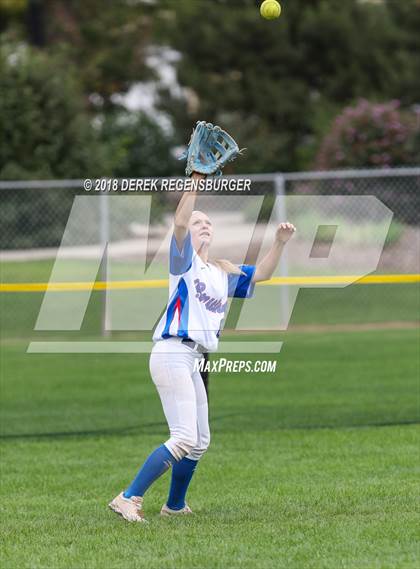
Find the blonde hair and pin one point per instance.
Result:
(227, 266)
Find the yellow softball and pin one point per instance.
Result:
(270, 9)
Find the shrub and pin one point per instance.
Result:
(371, 135)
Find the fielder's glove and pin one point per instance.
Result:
(209, 149)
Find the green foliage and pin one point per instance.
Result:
(46, 132)
(11, 11)
(277, 84)
(139, 146)
(405, 17)
(106, 40)
(371, 135)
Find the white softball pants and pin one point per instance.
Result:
(183, 397)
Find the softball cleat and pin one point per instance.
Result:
(131, 509)
(166, 511)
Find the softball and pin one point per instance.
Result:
(270, 9)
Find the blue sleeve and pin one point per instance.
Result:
(180, 261)
(241, 286)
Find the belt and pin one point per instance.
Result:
(194, 345)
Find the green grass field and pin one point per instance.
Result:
(350, 305)
(313, 466)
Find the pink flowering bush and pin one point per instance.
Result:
(371, 135)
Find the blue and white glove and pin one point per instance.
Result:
(209, 149)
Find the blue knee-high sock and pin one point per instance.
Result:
(156, 464)
(182, 472)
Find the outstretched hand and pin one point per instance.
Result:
(265, 268)
(284, 232)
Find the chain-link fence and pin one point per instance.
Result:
(392, 299)
(329, 209)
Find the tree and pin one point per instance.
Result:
(277, 85)
(107, 41)
(405, 17)
(140, 147)
(45, 133)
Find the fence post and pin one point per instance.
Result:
(280, 216)
(104, 236)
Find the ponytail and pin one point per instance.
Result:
(227, 266)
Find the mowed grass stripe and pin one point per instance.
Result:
(271, 493)
(322, 379)
(266, 500)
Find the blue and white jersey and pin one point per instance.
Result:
(198, 296)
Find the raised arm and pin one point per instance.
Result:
(184, 211)
(265, 268)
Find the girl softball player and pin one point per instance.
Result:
(198, 296)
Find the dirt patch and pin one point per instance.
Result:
(356, 327)
(344, 327)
